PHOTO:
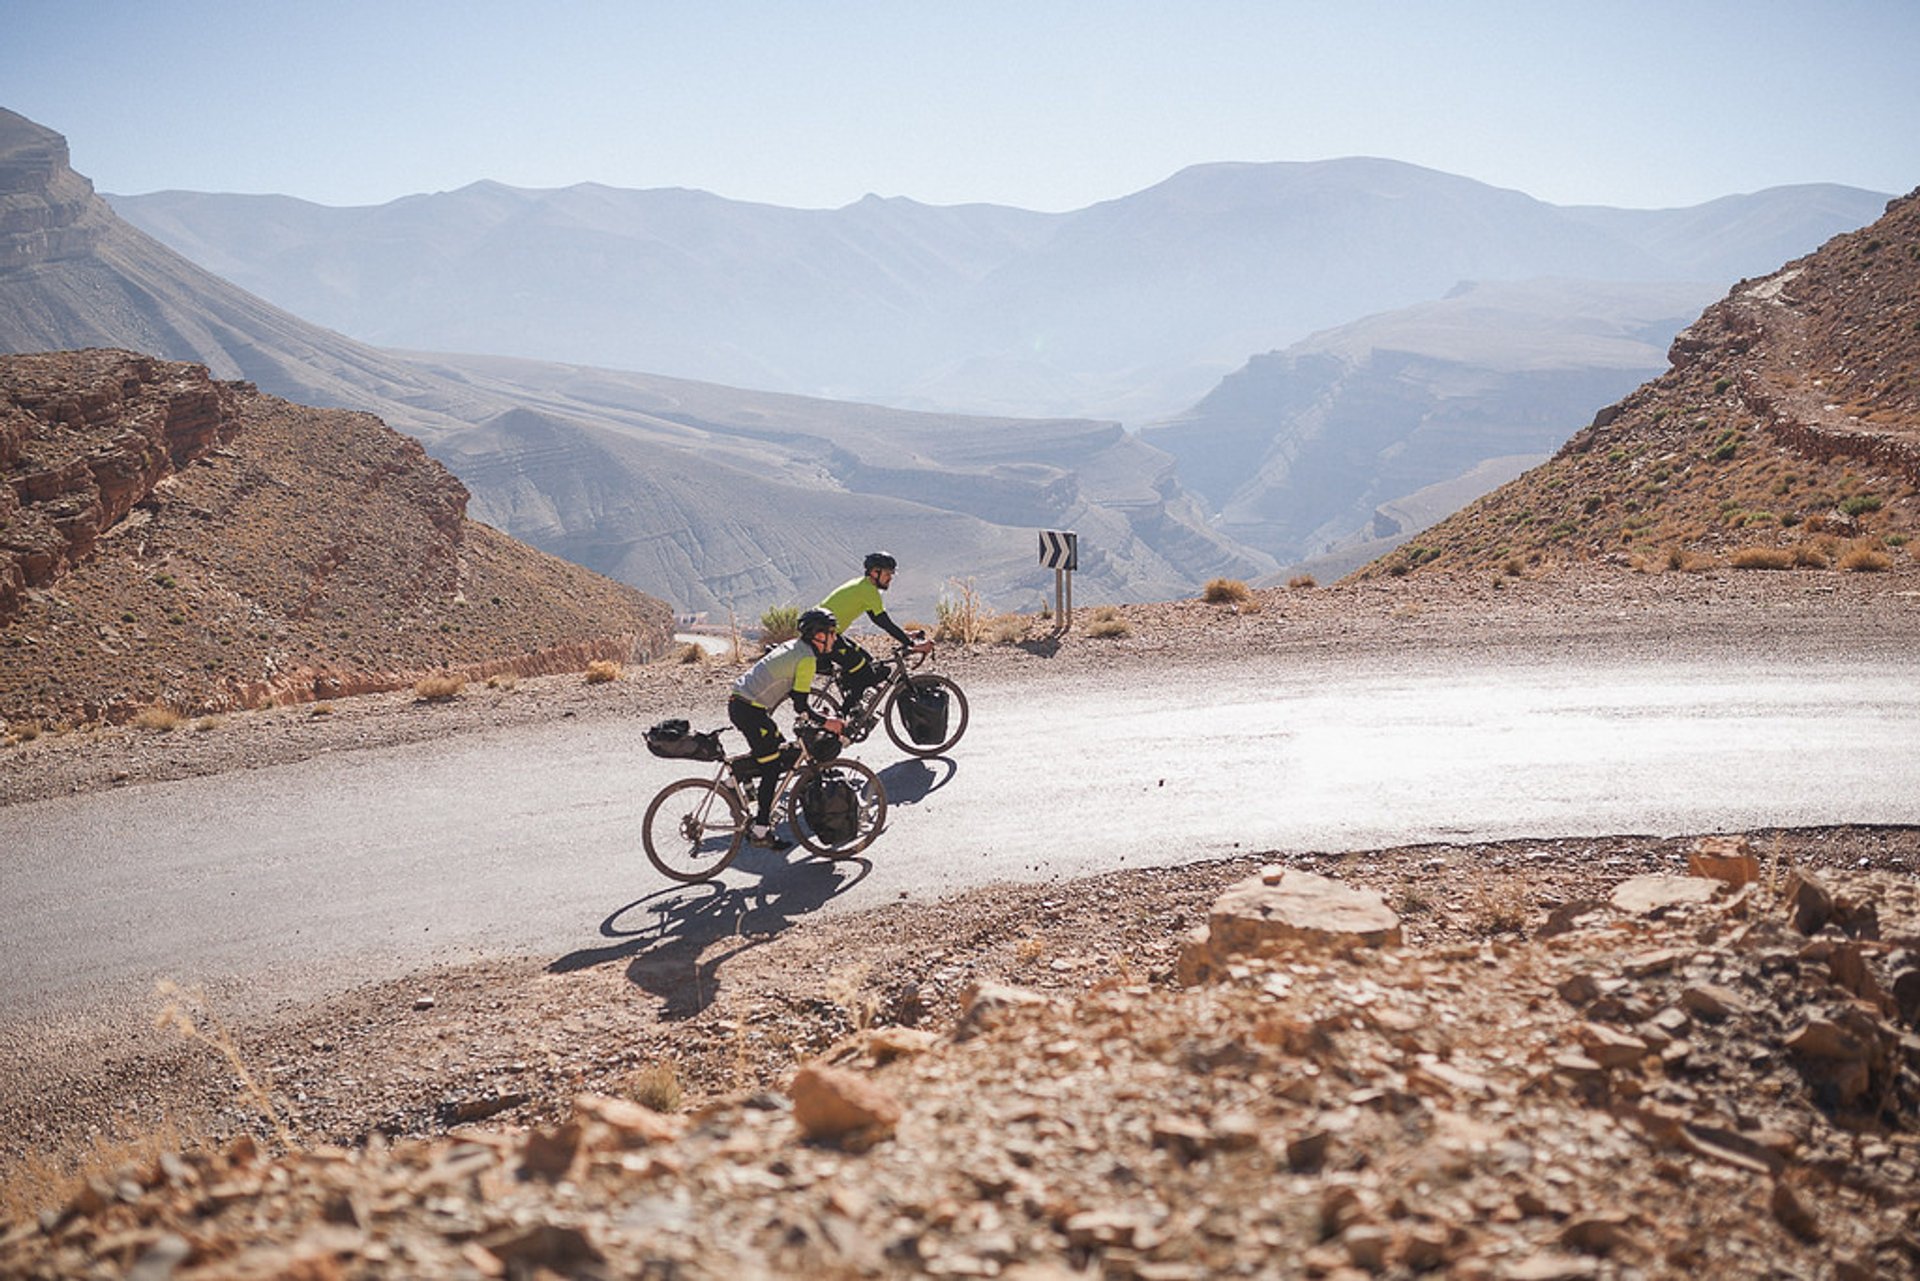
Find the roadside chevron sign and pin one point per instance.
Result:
(1059, 549)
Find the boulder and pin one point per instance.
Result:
(1280, 908)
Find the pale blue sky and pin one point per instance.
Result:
(1044, 105)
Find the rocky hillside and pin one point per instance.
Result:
(168, 538)
(1785, 436)
(1605, 1059)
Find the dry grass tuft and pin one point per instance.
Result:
(1225, 591)
(206, 723)
(1299, 581)
(691, 654)
(439, 689)
(158, 717)
(1008, 628)
(43, 1181)
(1497, 909)
(1107, 624)
(602, 670)
(657, 1086)
(179, 1013)
(23, 731)
(1762, 558)
(323, 709)
(1811, 556)
(1681, 560)
(1861, 559)
(503, 681)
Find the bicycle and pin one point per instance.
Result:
(694, 828)
(925, 713)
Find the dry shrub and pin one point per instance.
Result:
(1299, 581)
(1497, 909)
(602, 670)
(1514, 568)
(691, 654)
(1809, 556)
(323, 709)
(503, 680)
(779, 624)
(1762, 558)
(657, 1086)
(23, 732)
(158, 717)
(439, 689)
(1225, 591)
(1107, 624)
(963, 615)
(1861, 559)
(206, 723)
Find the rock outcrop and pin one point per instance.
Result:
(169, 538)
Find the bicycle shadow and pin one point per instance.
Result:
(911, 781)
(667, 938)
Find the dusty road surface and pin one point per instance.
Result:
(357, 865)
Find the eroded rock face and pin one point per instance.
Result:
(47, 211)
(166, 537)
(84, 437)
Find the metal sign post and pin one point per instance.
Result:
(1060, 552)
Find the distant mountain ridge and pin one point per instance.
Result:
(711, 498)
(1350, 439)
(1130, 309)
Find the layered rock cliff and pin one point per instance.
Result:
(169, 538)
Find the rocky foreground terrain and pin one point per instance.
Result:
(1519, 1060)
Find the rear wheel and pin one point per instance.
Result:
(956, 715)
(693, 829)
(869, 807)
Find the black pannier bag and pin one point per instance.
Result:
(923, 710)
(676, 740)
(832, 808)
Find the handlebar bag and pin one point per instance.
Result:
(923, 710)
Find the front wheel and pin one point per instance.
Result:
(865, 811)
(693, 829)
(900, 727)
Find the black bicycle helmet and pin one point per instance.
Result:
(881, 560)
(813, 622)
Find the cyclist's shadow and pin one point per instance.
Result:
(911, 781)
(667, 937)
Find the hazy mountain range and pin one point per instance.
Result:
(715, 498)
(1131, 309)
(707, 497)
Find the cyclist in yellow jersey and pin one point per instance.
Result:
(857, 669)
(785, 672)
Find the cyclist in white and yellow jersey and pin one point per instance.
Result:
(784, 672)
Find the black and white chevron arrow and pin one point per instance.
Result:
(1059, 549)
